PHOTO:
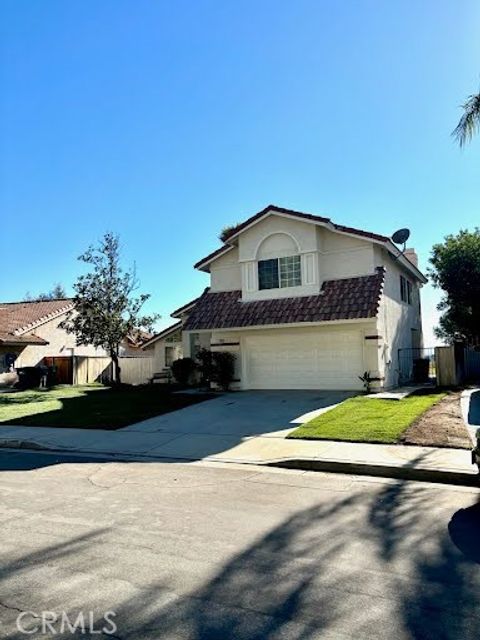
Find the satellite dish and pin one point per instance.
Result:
(401, 236)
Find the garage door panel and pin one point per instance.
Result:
(315, 360)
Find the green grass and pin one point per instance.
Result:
(90, 406)
(363, 419)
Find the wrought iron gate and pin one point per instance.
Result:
(416, 365)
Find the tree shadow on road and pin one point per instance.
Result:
(364, 564)
(441, 598)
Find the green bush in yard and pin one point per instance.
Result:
(223, 368)
(183, 370)
(205, 366)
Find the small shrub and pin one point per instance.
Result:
(183, 370)
(223, 368)
(367, 381)
(205, 366)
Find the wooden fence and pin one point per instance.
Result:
(447, 374)
(88, 369)
(456, 364)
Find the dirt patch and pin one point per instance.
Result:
(440, 426)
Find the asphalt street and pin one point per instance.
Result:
(217, 551)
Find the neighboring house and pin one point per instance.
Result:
(166, 346)
(30, 332)
(131, 347)
(305, 303)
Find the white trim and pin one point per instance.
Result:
(208, 261)
(309, 268)
(276, 233)
(250, 276)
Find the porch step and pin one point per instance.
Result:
(161, 376)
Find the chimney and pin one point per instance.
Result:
(411, 254)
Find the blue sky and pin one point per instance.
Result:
(165, 121)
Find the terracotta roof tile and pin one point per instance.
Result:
(346, 299)
(26, 338)
(178, 312)
(18, 319)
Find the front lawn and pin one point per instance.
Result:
(90, 406)
(363, 419)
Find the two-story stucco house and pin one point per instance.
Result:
(305, 303)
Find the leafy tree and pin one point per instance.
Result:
(106, 310)
(469, 122)
(56, 293)
(456, 270)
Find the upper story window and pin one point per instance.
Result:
(279, 272)
(405, 290)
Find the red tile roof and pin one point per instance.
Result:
(178, 312)
(296, 214)
(26, 338)
(346, 299)
(19, 319)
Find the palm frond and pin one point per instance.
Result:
(469, 122)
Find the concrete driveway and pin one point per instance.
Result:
(217, 426)
(245, 413)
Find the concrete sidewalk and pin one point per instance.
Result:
(398, 461)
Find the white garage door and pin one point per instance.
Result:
(304, 360)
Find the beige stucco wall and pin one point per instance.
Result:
(396, 319)
(225, 274)
(157, 351)
(60, 344)
(343, 256)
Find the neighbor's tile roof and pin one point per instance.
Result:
(18, 319)
(163, 334)
(346, 299)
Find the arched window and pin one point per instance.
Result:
(279, 263)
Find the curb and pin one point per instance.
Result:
(443, 476)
